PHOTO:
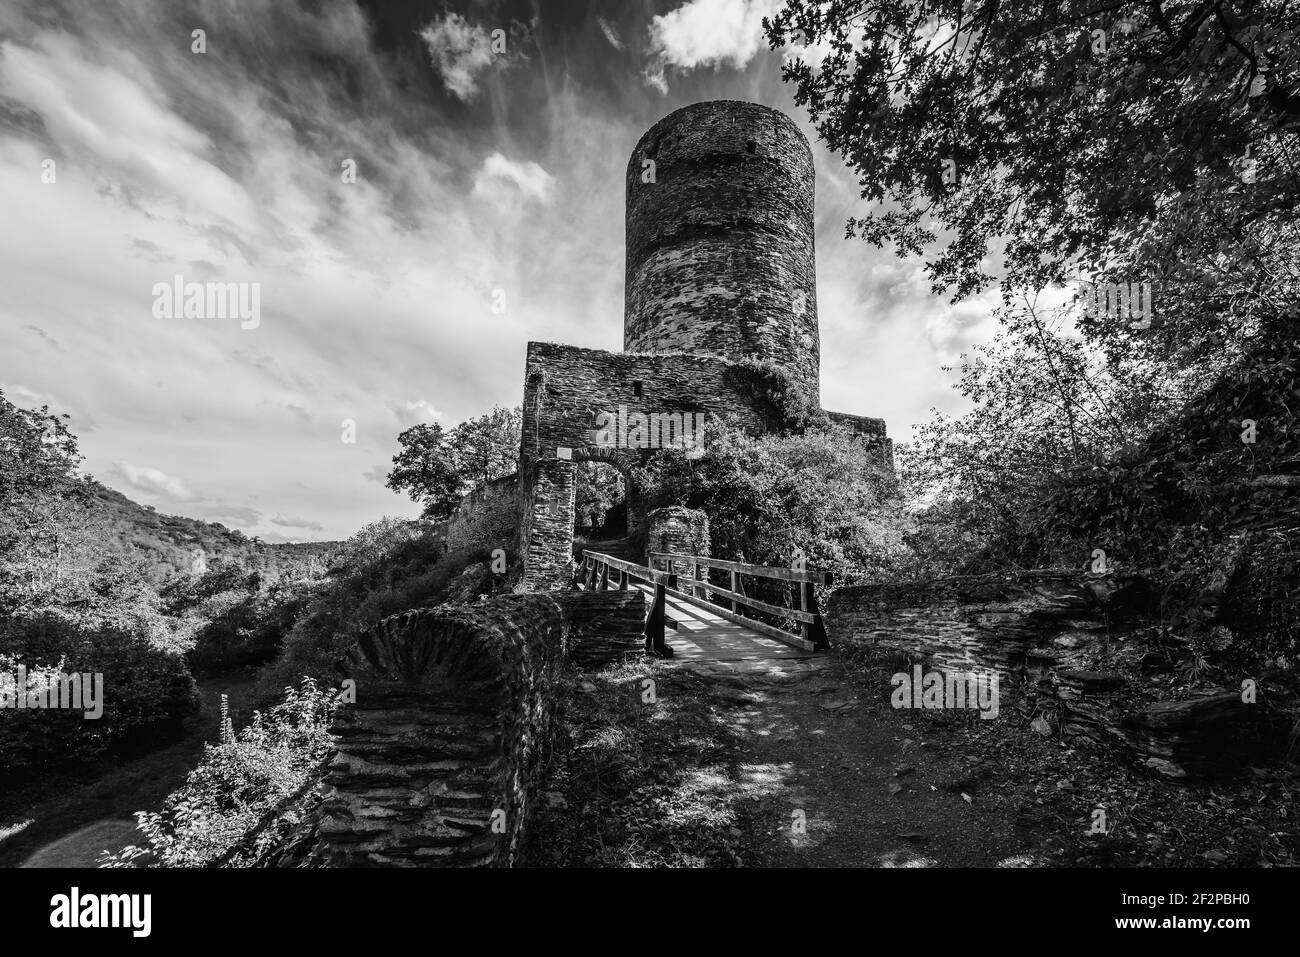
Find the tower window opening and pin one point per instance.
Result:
(636, 389)
(751, 147)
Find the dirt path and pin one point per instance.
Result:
(747, 762)
(66, 822)
(875, 789)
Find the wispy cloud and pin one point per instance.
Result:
(242, 517)
(152, 482)
(290, 521)
(610, 34)
(54, 343)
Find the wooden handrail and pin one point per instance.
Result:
(752, 602)
(638, 571)
(761, 627)
(762, 571)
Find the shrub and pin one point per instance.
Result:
(236, 629)
(239, 782)
(821, 491)
(388, 567)
(147, 688)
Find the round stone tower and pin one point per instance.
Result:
(720, 239)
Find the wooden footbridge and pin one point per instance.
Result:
(710, 621)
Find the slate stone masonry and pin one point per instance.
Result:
(565, 388)
(486, 518)
(1045, 631)
(720, 254)
(440, 761)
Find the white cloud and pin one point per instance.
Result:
(502, 181)
(291, 521)
(405, 413)
(153, 481)
(461, 51)
(26, 398)
(242, 517)
(423, 409)
(78, 422)
(707, 33)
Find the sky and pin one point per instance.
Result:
(376, 171)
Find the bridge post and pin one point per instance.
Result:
(739, 588)
(603, 584)
(815, 632)
(654, 625)
(803, 606)
(622, 581)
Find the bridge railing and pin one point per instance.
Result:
(812, 630)
(598, 569)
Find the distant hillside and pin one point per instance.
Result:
(167, 544)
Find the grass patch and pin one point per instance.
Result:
(637, 783)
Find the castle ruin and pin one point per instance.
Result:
(721, 288)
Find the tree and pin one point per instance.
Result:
(487, 447)
(1041, 404)
(423, 469)
(40, 494)
(1153, 142)
(37, 452)
(439, 468)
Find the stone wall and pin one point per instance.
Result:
(605, 625)
(720, 256)
(867, 429)
(1070, 647)
(1019, 624)
(438, 531)
(487, 517)
(681, 531)
(565, 388)
(453, 723)
(451, 726)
